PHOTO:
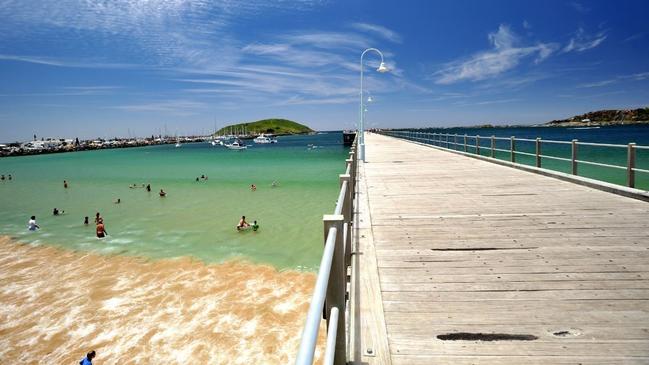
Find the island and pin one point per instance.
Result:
(604, 118)
(278, 127)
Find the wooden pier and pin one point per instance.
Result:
(461, 261)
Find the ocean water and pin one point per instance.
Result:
(638, 134)
(195, 219)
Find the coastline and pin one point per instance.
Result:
(57, 304)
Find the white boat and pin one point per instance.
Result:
(263, 139)
(236, 145)
(178, 144)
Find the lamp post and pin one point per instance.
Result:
(382, 68)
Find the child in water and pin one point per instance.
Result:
(255, 226)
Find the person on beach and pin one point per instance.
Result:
(85, 220)
(65, 184)
(97, 218)
(162, 193)
(242, 223)
(253, 187)
(88, 359)
(148, 187)
(101, 229)
(255, 226)
(31, 225)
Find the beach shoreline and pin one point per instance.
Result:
(57, 304)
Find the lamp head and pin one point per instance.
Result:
(382, 68)
(369, 99)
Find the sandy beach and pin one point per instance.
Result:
(56, 304)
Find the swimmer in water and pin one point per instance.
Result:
(242, 223)
(57, 212)
(85, 220)
(274, 184)
(118, 201)
(31, 225)
(9, 177)
(162, 193)
(255, 226)
(253, 187)
(97, 218)
(65, 184)
(101, 229)
(148, 187)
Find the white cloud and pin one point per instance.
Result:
(49, 61)
(505, 55)
(380, 30)
(581, 41)
(632, 77)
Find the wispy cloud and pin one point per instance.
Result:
(505, 55)
(632, 77)
(579, 7)
(380, 30)
(582, 42)
(57, 62)
(635, 37)
(176, 107)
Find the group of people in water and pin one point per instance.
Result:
(99, 220)
(9, 177)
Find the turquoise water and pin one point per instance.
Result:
(638, 134)
(196, 218)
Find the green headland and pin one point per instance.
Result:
(268, 126)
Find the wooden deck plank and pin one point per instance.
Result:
(462, 245)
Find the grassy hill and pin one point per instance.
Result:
(269, 126)
(605, 117)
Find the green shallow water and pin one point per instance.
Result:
(196, 218)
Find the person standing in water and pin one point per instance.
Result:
(255, 226)
(97, 218)
(85, 220)
(148, 187)
(162, 193)
(242, 223)
(101, 229)
(65, 184)
(31, 225)
(88, 359)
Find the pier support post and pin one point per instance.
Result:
(574, 157)
(512, 148)
(337, 285)
(538, 151)
(630, 165)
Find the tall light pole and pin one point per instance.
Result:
(382, 68)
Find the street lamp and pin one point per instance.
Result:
(382, 68)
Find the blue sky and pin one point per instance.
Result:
(113, 68)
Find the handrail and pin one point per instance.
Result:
(331, 284)
(472, 144)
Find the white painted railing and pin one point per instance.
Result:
(472, 144)
(329, 294)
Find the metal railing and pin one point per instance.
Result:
(329, 295)
(472, 144)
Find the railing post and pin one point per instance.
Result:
(455, 142)
(446, 139)
(630, 165)
(574, 157)
(347, 218)
(538, 151)
(465, 136)
(477, 144)
(512, 149)
(493, 146)
(337, 285)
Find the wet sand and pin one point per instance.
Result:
(55, 305)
